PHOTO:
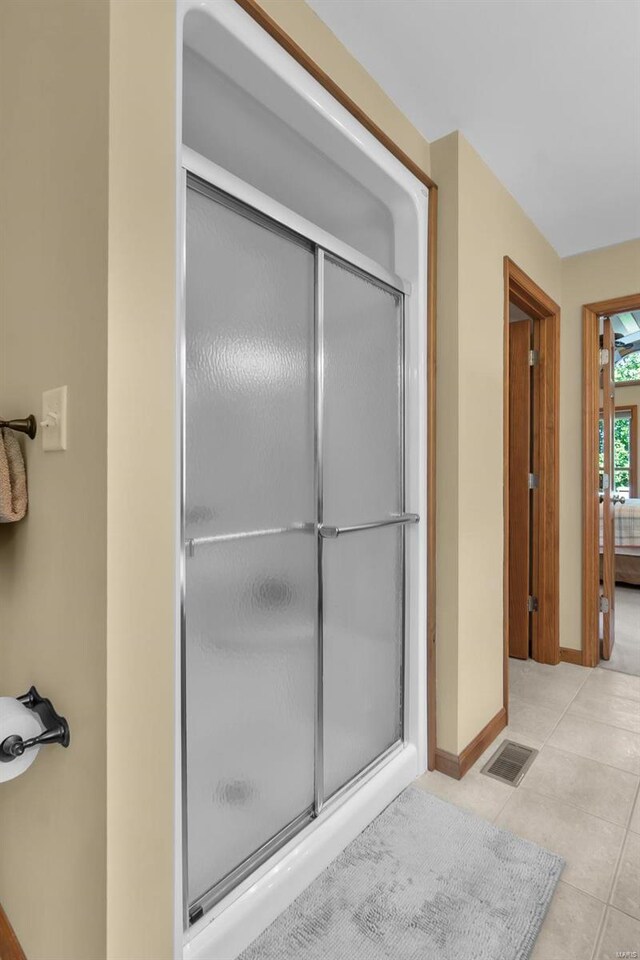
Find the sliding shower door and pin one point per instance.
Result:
(250, 597)
(294, 530)
(362, 482)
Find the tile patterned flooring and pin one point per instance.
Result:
(580, 798)
(626, 650)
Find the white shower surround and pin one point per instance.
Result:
(231, 925)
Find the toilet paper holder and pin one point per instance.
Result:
(56, 728)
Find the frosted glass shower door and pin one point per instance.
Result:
(250, 558)
(362, 478)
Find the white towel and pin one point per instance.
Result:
(13, 479)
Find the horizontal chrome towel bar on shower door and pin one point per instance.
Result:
(330, 533)
(194, 542)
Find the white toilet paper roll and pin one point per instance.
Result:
(15, 718)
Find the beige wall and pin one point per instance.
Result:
(142, 472)
(490, 225)
(53, 329)
(445, 170)
(586, 278)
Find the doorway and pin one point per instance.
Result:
(523, 479)
(295, 532)
(611, 509)
(531, 491)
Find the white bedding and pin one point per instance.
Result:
(626, 526)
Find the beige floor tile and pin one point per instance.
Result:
(570, 927)
(598, 741)
(616, 711)
(573, 668)
(626, 652)
(531, 719)
(615, 684)
(589, 785)
(620, 937)
(590, 846)
(532, 667)
(546, 686)
(626, 890)
(566, 669)
(476, 793)
(634, 823)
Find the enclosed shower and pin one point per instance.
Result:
(294, 525)
(302, 564)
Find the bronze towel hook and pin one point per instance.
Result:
(29, 425)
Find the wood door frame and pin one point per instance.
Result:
(253, 8)
(10, 948)
(521, 290)
(521, 439)
(591, 312)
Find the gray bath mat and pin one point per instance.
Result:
(424, 881)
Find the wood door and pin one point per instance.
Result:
(608, 540)
(519, 468)
(539, 544)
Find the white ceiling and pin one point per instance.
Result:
(547, 91)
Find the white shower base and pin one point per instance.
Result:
(224, 932)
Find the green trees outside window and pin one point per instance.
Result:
(621, 452)
(627, 368)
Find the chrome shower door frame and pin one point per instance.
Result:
(222, 186)
(399, 288)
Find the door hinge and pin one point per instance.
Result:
(534, 358)
(604, 356)
(533, 481)
(532, 604)
(604, 605)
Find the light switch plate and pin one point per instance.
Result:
(53, 425)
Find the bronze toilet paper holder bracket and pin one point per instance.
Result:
(56, 728)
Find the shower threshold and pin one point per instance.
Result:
(235, 877)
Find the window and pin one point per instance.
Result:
(625, 453)
(627, 368)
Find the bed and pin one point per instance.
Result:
(627, 541)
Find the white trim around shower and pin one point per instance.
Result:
(254, 903)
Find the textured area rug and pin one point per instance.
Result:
(424, 881)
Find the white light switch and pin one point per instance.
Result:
(53, 426)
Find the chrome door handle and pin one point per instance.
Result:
(330, 533)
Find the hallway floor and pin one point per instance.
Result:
(579, 799)
(626, 649)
